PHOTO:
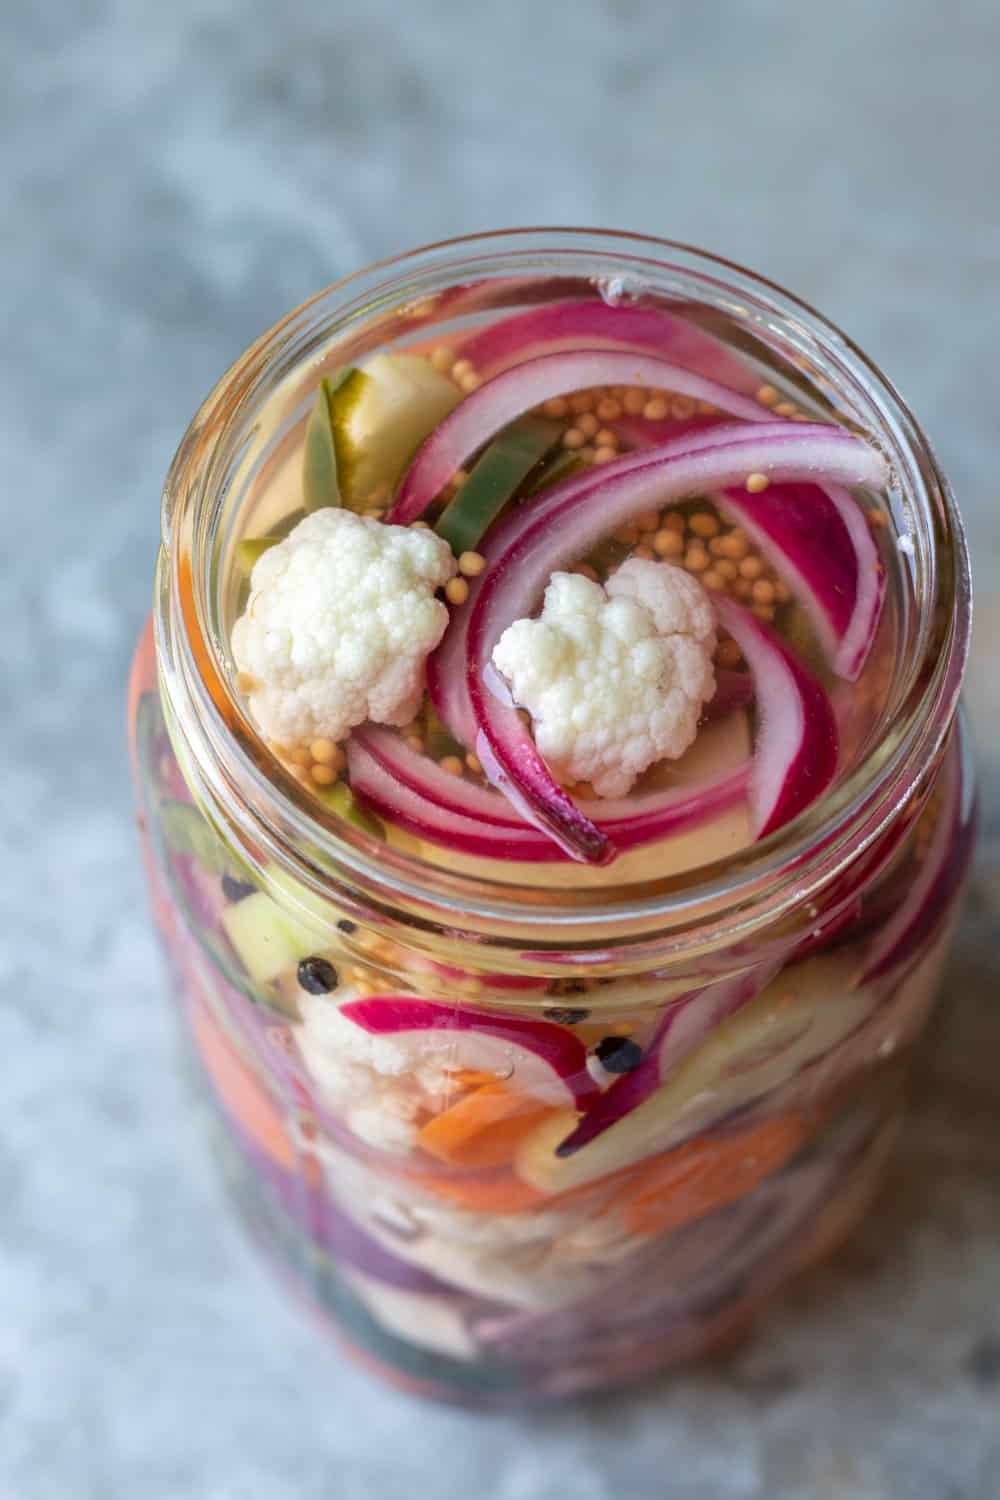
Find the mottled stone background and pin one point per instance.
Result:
(175, 176)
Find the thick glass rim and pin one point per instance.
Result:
(731, 898)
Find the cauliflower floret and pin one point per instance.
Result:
(340, 621)
(378, 1084)
(615, 678)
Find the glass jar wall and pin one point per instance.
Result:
(533, 1131)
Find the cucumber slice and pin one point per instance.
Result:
(800, 1017)
(267, 939)
(320, 485)
(504, 465)
(379, 416)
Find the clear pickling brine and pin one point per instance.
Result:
(552, 798)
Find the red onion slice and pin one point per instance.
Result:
(572, 323)
(797, 756)
(427, 802)
(796, 752)
(545, 1060)
(819, 541)
(481, 415)
(906, 935)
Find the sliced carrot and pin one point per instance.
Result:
(506, 1195)
(482, 1128)
(240, 1091)
(691, 1181)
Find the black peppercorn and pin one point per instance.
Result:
(618, 1054)
(236, 890)
(346, 925)
(317, 975)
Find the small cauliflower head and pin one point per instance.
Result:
(614, 678)
(339, 624)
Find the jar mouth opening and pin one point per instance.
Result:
(268, 814)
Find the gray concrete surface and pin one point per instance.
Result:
(177, 175)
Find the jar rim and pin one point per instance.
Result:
(734, 897)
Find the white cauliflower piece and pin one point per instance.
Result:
(615, 678)
(379, 1085)
(339, 624)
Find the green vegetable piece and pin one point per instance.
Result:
(560, 466)
(496, 476)
(268, 940)
(188, 831)
(320, 485)
(252, 547)
(341, 800)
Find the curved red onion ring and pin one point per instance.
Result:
(507, 396)
(416, 795)
(574, 322)
(510, 591)
(819, 541)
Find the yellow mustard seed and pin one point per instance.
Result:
(763, 592)
(471, 564)
(646, 553)
(580, 402)
(588, 424)
(751, 567)
(462, 367)
(648, 521)
(713, 579)
(470, 382)
(757, 482)
(573, 438)
(323, 775)
(604, 455)
(452, 765)
(704, 525)
(442, 359)
(655, 409)
(556, 406)
(324, 752)
(668, 543)
(681, 408)
(726, 568)
(456, 591)
(696, 558)
(764, 611)
(786, 409)
(608, 409)
(767, 395)
(473, 763)
(674, 521)
(605, 438)
(634, 400)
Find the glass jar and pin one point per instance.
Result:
(507, 1268)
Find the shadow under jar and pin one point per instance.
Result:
(518, 1123)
